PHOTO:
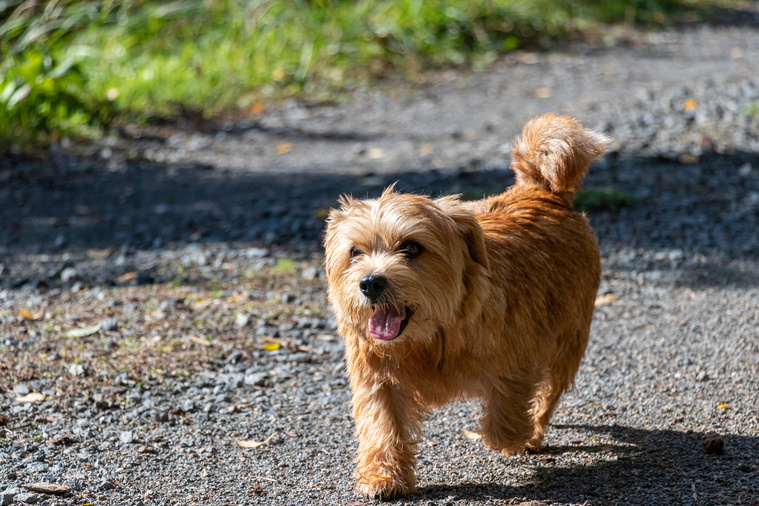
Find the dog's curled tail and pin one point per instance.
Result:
(555, 152)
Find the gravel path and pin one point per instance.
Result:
(162, 301)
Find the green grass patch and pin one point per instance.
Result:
(604, 199)
(71, 67)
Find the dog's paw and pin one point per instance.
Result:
(384, 488)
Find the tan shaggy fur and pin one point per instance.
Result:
(497, 298)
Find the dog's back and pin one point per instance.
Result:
(543, 254)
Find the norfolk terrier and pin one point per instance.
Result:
(439, 299)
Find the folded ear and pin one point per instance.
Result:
(468, 228)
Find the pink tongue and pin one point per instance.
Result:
(385, 323)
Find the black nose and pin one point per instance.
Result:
(372, 286)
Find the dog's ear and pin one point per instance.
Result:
(468, 229)
(471, 233)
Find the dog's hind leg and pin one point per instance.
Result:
(507, 424)
(557, 380)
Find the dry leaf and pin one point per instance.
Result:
(472, 435)
(606, 299)
(284, 148)
(200, 341)
(100, 254)
(426, 149)
(271, 346)
(83, 332)
(257, 108)
(234, 298)
(722, 406)
(47, 488)
(28, 315)
(32, 397)
(254, 444)
(690, 104)
(127, 277)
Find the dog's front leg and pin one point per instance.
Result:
(388, 424)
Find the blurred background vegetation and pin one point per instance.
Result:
(72, 68)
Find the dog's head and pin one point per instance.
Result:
(400, 265)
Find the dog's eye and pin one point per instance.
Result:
(411, 249)
(355, 252)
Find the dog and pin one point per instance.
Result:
(439, 299)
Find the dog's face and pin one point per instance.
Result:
(397, 266)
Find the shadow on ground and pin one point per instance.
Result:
(72, 205)
(651, 467)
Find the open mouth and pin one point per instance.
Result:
(388, 322)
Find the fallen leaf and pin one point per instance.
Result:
(722, 406)
(426, 149)
(472, 435)
(28, 315)
(234, 298)
(4, 420)
(83, 332)
(606, 299)
(127, 277)
(271, 346)
(254, 444)
(690, 104)
(257, 108)
(200, 341)
(47, 488)
(32, 397)
(100, 254)
(284, 148)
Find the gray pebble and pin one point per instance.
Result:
(27, 498)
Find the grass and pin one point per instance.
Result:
(73, 67)
(588, 199)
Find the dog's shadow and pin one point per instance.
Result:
(639, 467)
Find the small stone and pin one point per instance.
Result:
(234, 357)
(713, 443)
(68, 274)
(242, 320)
(126, 437)
(109, 324)
(104, 485)
(27, 498)
(188, 406)
(745, 169)
(76, 370)
(21, 389)
(310, 273)
(257, 379)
